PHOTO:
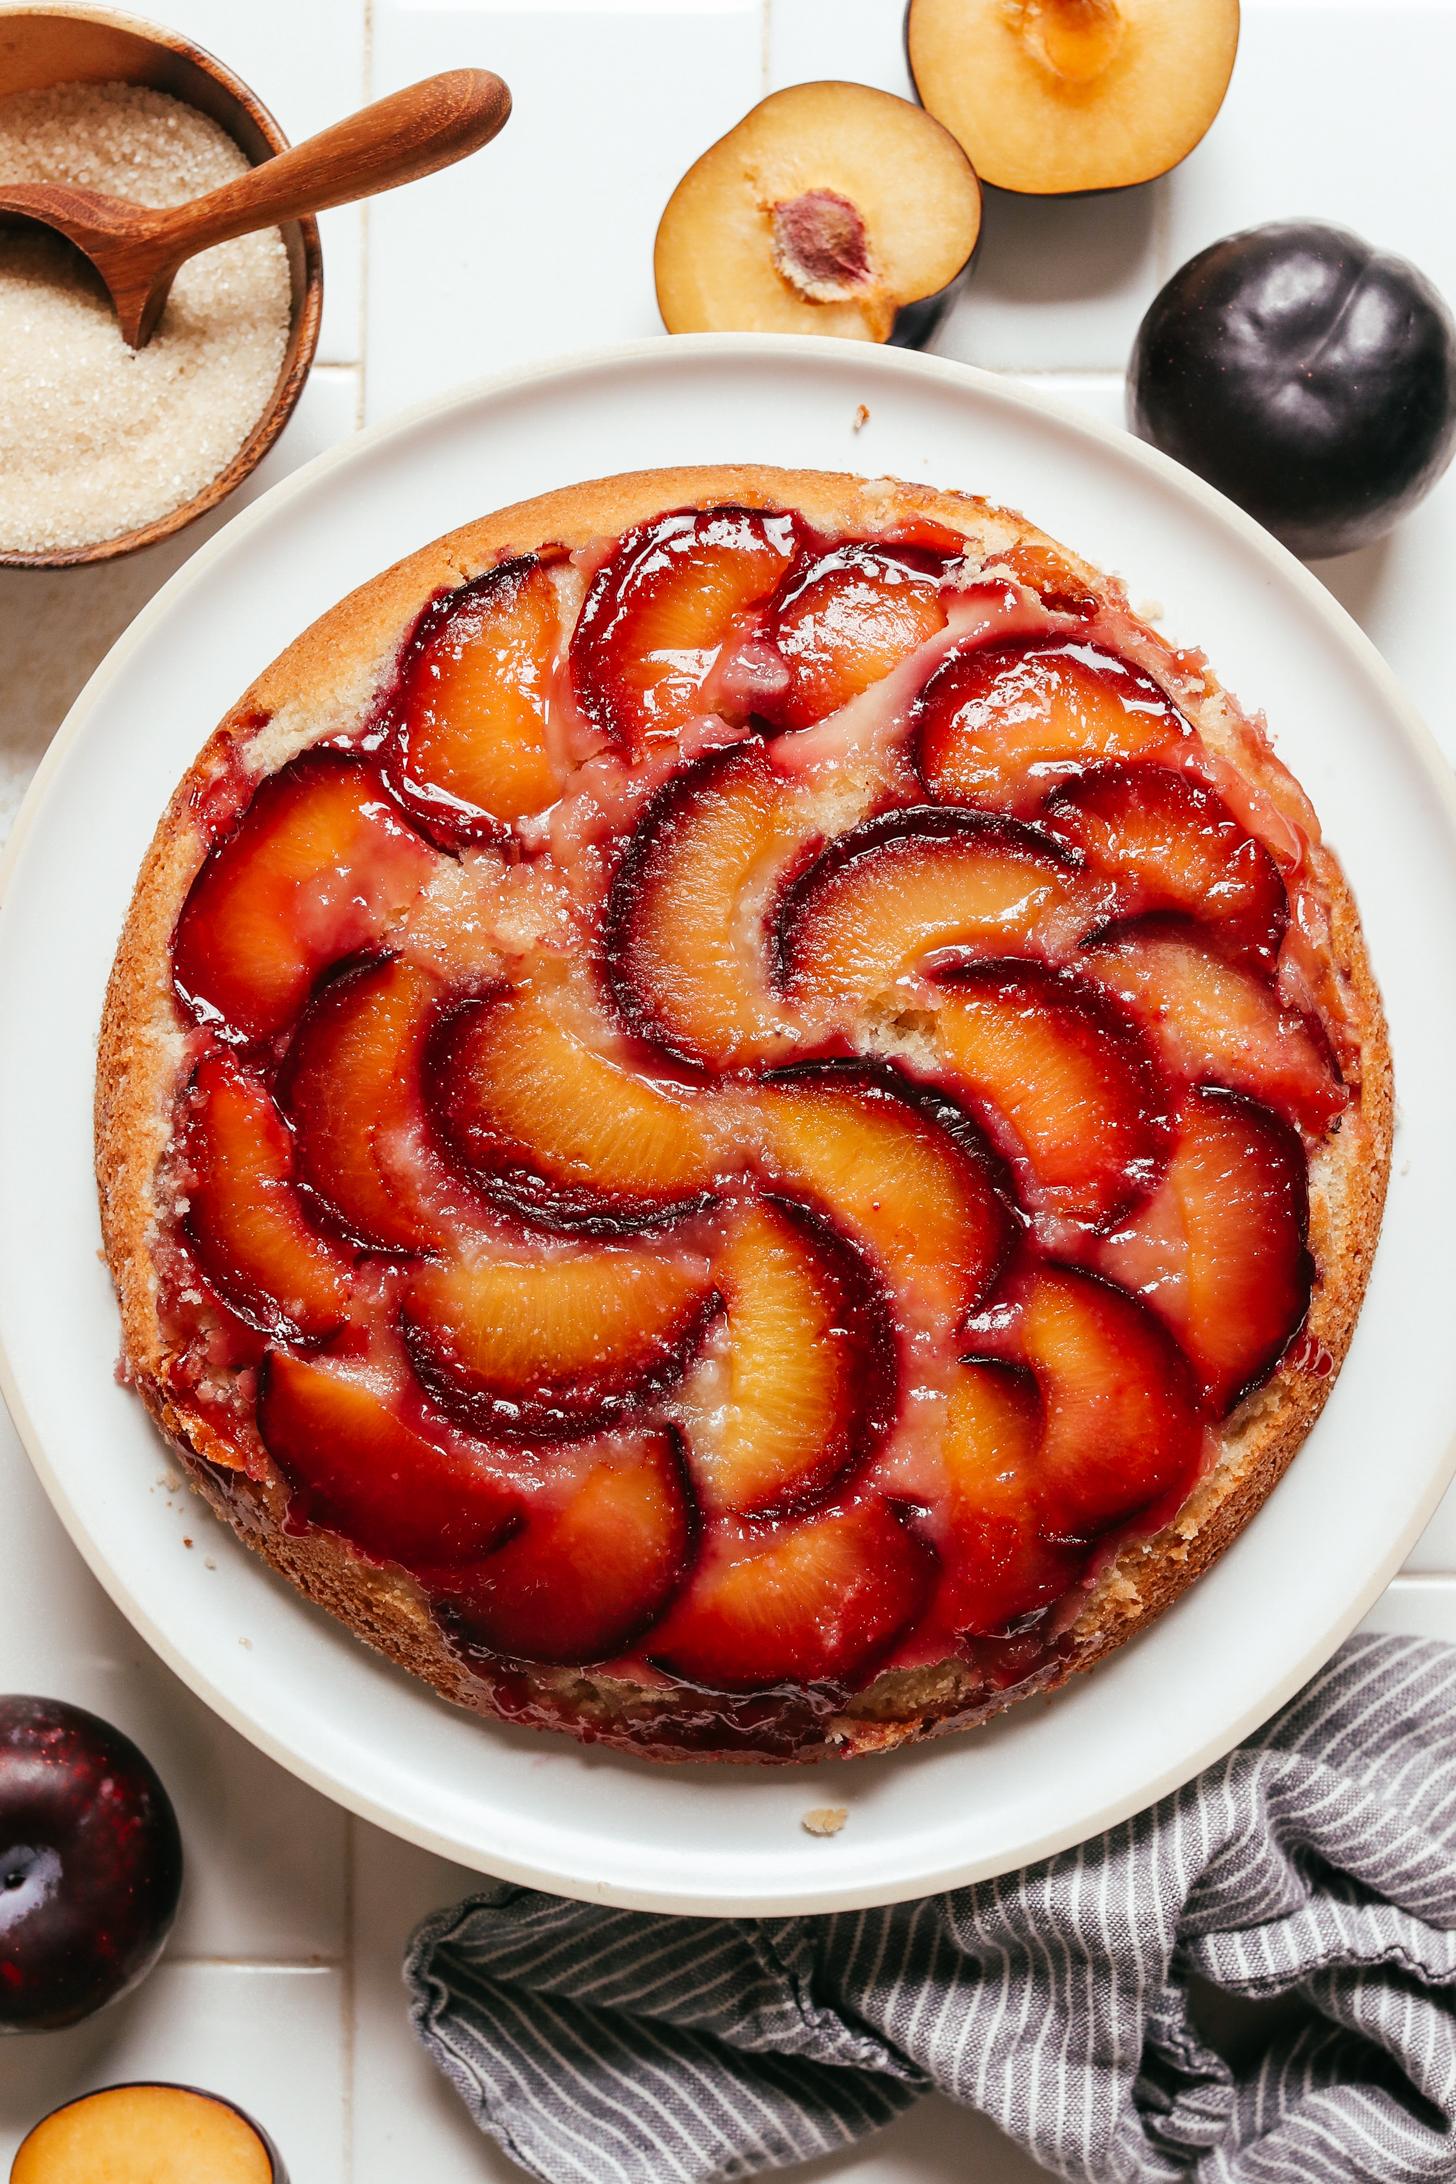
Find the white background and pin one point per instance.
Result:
(281, 1985)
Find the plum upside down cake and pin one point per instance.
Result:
(738, 1116)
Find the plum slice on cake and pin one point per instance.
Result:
(472, 750)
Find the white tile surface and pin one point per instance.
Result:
(1416, 1607)
(402, 2104)
(269, 2040)
(861, 41)
(266, 1858)
(543, 241)
(1280, 148)
(468, 274)
(1057, 282)
(307, 65)
(1434, 1553)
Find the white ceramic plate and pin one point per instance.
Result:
(542, 1809)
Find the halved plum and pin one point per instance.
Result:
(813, 1601)
(1123, 1433)
(905, 1171)
(1215, 1021)
(590, 1569)
(353, 1087)
(560, 1133)
(245, 1219)
(998, 1566)
(1170, 844)
(320, 862)
(552, 1346)
(659, 612)
(358, 1467)
(844, 620)
(999, 725)
(1063, 1083)
(898, 888)
(1221, 1250)
(683, 950)
(806, 1382)
(470, 751)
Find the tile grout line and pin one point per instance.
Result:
(765, 44)
(349, 1990)
(315, 1961)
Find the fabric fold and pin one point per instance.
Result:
(1315, 1863)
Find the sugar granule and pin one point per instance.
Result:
(95, 439)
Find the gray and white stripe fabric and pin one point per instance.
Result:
(1316, 1863)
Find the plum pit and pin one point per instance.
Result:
(820, 245)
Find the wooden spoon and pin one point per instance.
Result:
(137, 248)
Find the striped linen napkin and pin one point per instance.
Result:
(1316, 1863)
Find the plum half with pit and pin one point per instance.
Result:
(831, 208)
(148, 2134)
(90, 1864)
(1054, 96)
(1307, 375)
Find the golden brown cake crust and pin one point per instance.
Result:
(322, 684)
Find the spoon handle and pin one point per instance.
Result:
(397, 139)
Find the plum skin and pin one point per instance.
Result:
(1307, 375)
(90, 1864)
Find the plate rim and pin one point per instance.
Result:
(658, 351)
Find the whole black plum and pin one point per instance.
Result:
(90, 1864)
(1307, 375)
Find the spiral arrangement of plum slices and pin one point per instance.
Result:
(752, 1123)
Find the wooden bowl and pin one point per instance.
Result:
(43, 46)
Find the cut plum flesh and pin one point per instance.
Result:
(905, 1170)
(358, 1467)
(1221, 1250)
(683, 948)
(316, 869)
(805, 1385)
(587, 1572)
(660, 611)
(890, 893)
(552, 1346)
(470, 752)
(1123, 1432)
(353, 1088)
(1063, 1082)
(809, 1602)
(998, 1566)
(1216, 1022)
(846, 619)
(560, 1133)
(1168, 844)
(245, 1217)
(999, 725)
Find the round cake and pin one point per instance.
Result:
(737, 1115)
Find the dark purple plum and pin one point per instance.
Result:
(1307, 375)
(90, 1864)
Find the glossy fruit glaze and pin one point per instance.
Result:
(752, 1123)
